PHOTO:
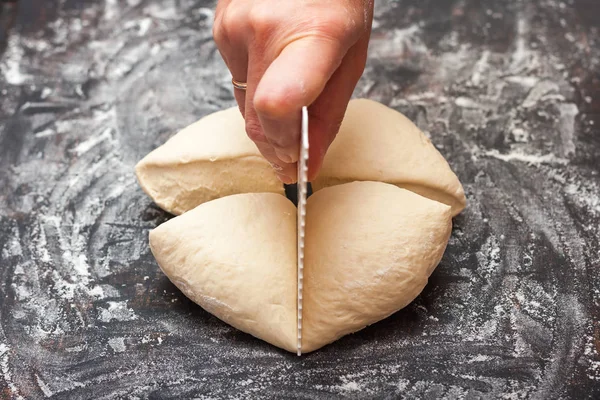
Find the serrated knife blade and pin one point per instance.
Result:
(302, 192)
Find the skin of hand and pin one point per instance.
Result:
(293, 53)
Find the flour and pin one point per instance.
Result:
(489, 258)
(84, 147)
(541, 89)
(43, 386)
(163, 11)
(534, 159)
(587, 195)
(523, 58)
(350, 387)
(404, 43)
(480, 358)
(10, 65)
(14, 246)
(480, 68)
(118, 311)
(466, 102)
(525, 81)
(111, 9)
(568, 112)
(144, 26)
(6, 372)
(117, 344)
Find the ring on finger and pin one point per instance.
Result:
(239, 85)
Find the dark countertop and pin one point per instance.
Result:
(508, 91)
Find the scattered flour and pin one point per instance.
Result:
(94, 140)
(6, 372)
(117, 344)
(43, 386)
(11, 61)
(118, 311)
(527, 158)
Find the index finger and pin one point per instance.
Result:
(294, 79)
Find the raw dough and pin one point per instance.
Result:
(370, 248)
(370, 244)
(209, 159)
(377, 143)
(236, 257)
(214, 158)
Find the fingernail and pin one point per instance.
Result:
(284, 178)
(285, 157)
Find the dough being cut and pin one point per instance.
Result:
(376, 226)
(236, 257)
(209, 159)
(370, 248)
(377, 143)
(214, 158)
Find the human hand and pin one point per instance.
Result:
(291, 54)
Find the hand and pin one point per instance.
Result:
(293, 53)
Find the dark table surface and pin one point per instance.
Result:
(509, 91)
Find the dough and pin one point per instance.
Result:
(214, 158)
(377, 225)
(209, 159)
(377, 143)
(370, 248)
(236, 257)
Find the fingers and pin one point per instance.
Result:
(314, 59)
(228, 35)
(276, 95)
(231, 34)
(286, 172)
(294, 79)
(238, 66)
(327, 112)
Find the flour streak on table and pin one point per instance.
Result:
(509, 92)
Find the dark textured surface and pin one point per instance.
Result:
(509, 91)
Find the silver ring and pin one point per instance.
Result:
(239, 85)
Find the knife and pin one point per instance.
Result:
(302, 192)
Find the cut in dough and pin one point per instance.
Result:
(236, 257)
(213, 158)
(377, 143)
(209, 159)
(370, 249)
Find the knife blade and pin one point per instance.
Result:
(302, 188)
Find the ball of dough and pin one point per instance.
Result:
(236, 257)
(370, 248)
(209, 159)
(377, 143)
